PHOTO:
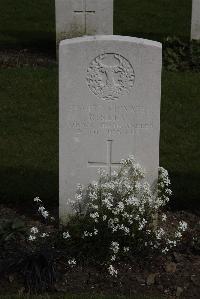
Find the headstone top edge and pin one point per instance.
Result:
(134, 40)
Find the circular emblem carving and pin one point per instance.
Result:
(110, 76)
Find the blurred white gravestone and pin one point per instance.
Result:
(110, 90)
(83, 17)
(195, 26)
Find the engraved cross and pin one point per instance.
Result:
(85, 11)
(109, 164)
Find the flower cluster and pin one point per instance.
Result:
(35, 233)
(124, 207)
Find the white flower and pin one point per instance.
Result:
(124, 228)
(132, 201)
(94, 216)
(78, 197)
(86, 234)
(44, 235)
(165, 250)
(114, 247)
(126, 249)
(37, 199)
(72, 262)
(112, 271)
(107, 203)
(160, 233)
(171, 243)
(95, 231)
(142, 224)
(93, 195)
(183, 225)
(178, 235)
(66, 235)
(32, 238)
(164, 217)
(45, 214)
(41, 209)
(121, 206)
(34, 230)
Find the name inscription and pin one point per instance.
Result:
(109, 120)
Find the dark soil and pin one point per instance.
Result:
(174, 276)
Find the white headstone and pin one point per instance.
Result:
(195, 26)
(110, 90)
(83, 17)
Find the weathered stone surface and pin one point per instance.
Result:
(195, 26)
(83, 17)
(110, 89)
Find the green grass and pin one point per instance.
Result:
(27, 23)
(29, 135)
(154, 19)
(31, 23)
(180, 131)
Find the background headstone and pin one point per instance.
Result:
(83, 17)
(110, 90)
(195, 26)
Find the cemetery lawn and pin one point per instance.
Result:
(27, 23)
(153, 19)
(29, 135)
(32, 23)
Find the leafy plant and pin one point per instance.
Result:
(117, 214)
(175, 54)
(181, 56)
(38, 270)
(12, 229)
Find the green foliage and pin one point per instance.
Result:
(181, 56)
(175, 54)
(37, 269)
(11, 229)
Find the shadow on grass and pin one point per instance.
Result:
(20, 186)
(34, 40)
(186, 190)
